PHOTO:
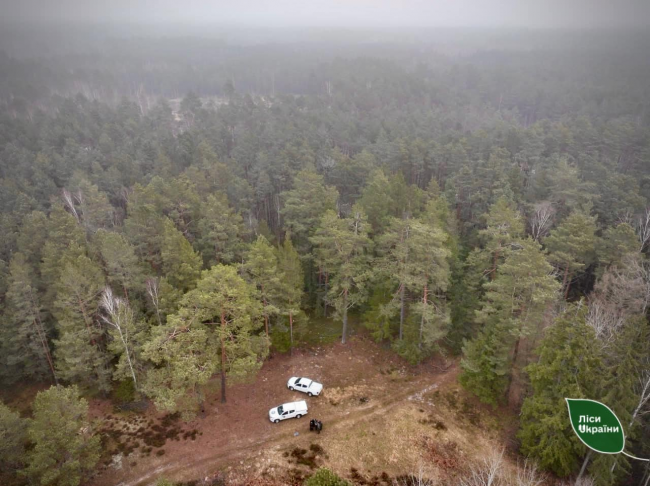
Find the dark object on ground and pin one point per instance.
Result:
(315, 424)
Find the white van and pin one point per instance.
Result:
(288, 410)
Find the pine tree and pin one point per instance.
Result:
(144, 227)
(88, 204)
(504, 225)
(65, 239)
(65, 449)
(616, 244)
(32, 238)
(216, 328)
(389, 197)
(180, 263)
(415, 256)
(291, 280)
(571, 245)
(513, 307)
(376, 202)
(341, 246)
(78, 353)
(26, 335)
(220, 231)
(569, 366)
(122, 267)
(305, 205)
(13, 438)
(261, 265)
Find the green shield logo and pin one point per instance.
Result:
(596, 425)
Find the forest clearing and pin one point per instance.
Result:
(368, 425)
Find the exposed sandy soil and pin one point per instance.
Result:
(379, 415)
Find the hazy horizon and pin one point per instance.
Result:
(362, 14)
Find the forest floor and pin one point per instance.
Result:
(381, 419)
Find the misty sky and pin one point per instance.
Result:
(341, 13)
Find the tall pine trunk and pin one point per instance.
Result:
(266, 315)
(345, 315)
(424, 309)
(495, 259)
(223, 356)
(291, 332)
(327, 278)
(401, 311)
(42, 337)
(566, 283)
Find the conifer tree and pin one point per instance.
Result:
(616, 244)
(305, 205)
(217, 328)
(78, 353)
(122, 267)
(32, 238)
(262, 267)
(569, 366)
(376, 201)
(88, 204)
(221, 230)
(341, 245)
(513, 307)
(415, 256)
(291, 280)
(571, 245)
(180, 263)
(26, 335)
(504, 225)
(66, 239)
(13, 438)
(65, 449)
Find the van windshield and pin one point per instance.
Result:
(280, 410)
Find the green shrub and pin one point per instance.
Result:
(124, 391)
(325, 477)
(164, 482)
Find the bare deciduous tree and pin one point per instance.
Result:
(642, 226)
(604, 318)
(69, 203)
(583, 481)
(417, 479)
(485, 473)
(153, 291)
(541, 220)
(528, 476)
(620, 293)
(120, 317)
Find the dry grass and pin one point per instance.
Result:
(346, 395)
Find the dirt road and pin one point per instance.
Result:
(362, 380)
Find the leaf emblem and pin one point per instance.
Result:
(596, 425)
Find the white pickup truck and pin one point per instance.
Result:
(288, 410)
(305, 385)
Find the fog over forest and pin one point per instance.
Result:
(324, 243)
(340, 13)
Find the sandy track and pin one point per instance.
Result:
(237, 438)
